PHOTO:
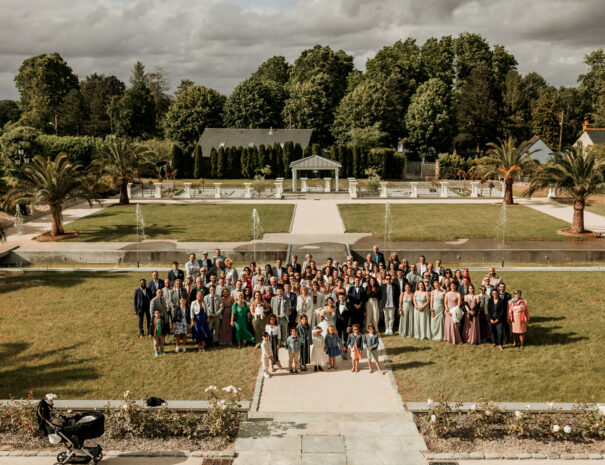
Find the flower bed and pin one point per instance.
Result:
(134, 427)
(488, 428)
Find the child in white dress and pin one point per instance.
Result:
(318, 352)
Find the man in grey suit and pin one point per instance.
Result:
(214, 310)
(281, 308)
(159, 303)
(388, 303)
(278, 269)
(413, 278)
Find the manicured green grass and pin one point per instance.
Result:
(563, 360)
(445, 222)
(599, 209)
(188, 223)
(76, 335)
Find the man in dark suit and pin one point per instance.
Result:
(205, 261)
(357, 300)
(295, 265)
(504, 296)
(377, 257)
(175, 273)
(288, 294)
(389, 303)
(155, 284)
(343, 319)
(142, 298)
(327, 268)
(278, 269)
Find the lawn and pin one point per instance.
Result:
(562, 362)
(599, 209)
(446, 222)
(76, 335)
(188, 223)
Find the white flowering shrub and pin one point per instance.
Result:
(223, 416)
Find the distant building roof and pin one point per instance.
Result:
(540, 150)
(597, 136)
(315, 162)
(235, 137)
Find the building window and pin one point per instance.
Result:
(222, 144)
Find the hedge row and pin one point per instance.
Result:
(453, 166)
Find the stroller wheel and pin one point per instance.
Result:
(61, 457)
(98, 458)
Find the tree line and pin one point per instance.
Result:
(447, 93)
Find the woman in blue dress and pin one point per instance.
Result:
(199, 323)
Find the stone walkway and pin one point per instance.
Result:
(330, 417)
(592, 221)
(317, 217)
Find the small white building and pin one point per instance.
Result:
(541, 152)
(591, 136)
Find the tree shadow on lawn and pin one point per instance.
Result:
(409, 365)
(404, 350)
(118, 233)
(43, 279)
(19, 375)
(539, 335)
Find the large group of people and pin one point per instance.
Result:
(296, 304)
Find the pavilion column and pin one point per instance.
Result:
(303, 184)
(294, 170)
(336, 180)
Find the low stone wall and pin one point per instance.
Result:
(20, 257)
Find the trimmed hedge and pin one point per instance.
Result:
(450, 164)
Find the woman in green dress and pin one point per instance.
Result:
(239, 319)
(422, 314)
(437, 307)
(406, 312)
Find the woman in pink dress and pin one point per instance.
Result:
(518, 316)
(472, 323)
(451, 330)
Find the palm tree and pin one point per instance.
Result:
(506, 160)
(52, 182)
(123, 160)
(579, 173)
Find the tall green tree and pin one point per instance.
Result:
(472, 51)
(400, 70)
(545, 118)
(288, 156)
(157, 83)
(178, 161)
(579, 173)
(308, 106)
(221, 164)
(255, 103)
(476, 112)
(137, 75)
(97, 92)
(278, 154)
(213, 162)
(367, 105)
(429, 119)
(43, 81)
(592, 83)
(502, 63)
(515, 108)
(326, 71)
(9, 112)
(274, 69)
(437, 57)
(124, 161)
(72, 114)
(194, 109)
(133, 113)
(506, 160)
(198, 169)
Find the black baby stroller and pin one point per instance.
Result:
(72, 431)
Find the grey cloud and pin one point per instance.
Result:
(219, 42)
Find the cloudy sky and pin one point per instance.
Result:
(219, 42)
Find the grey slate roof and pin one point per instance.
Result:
(234, 137)
(315, 162)
(596, 135)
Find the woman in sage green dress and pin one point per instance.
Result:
(422, 313)
(406, 312)
(239, 319)
(437, 307)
